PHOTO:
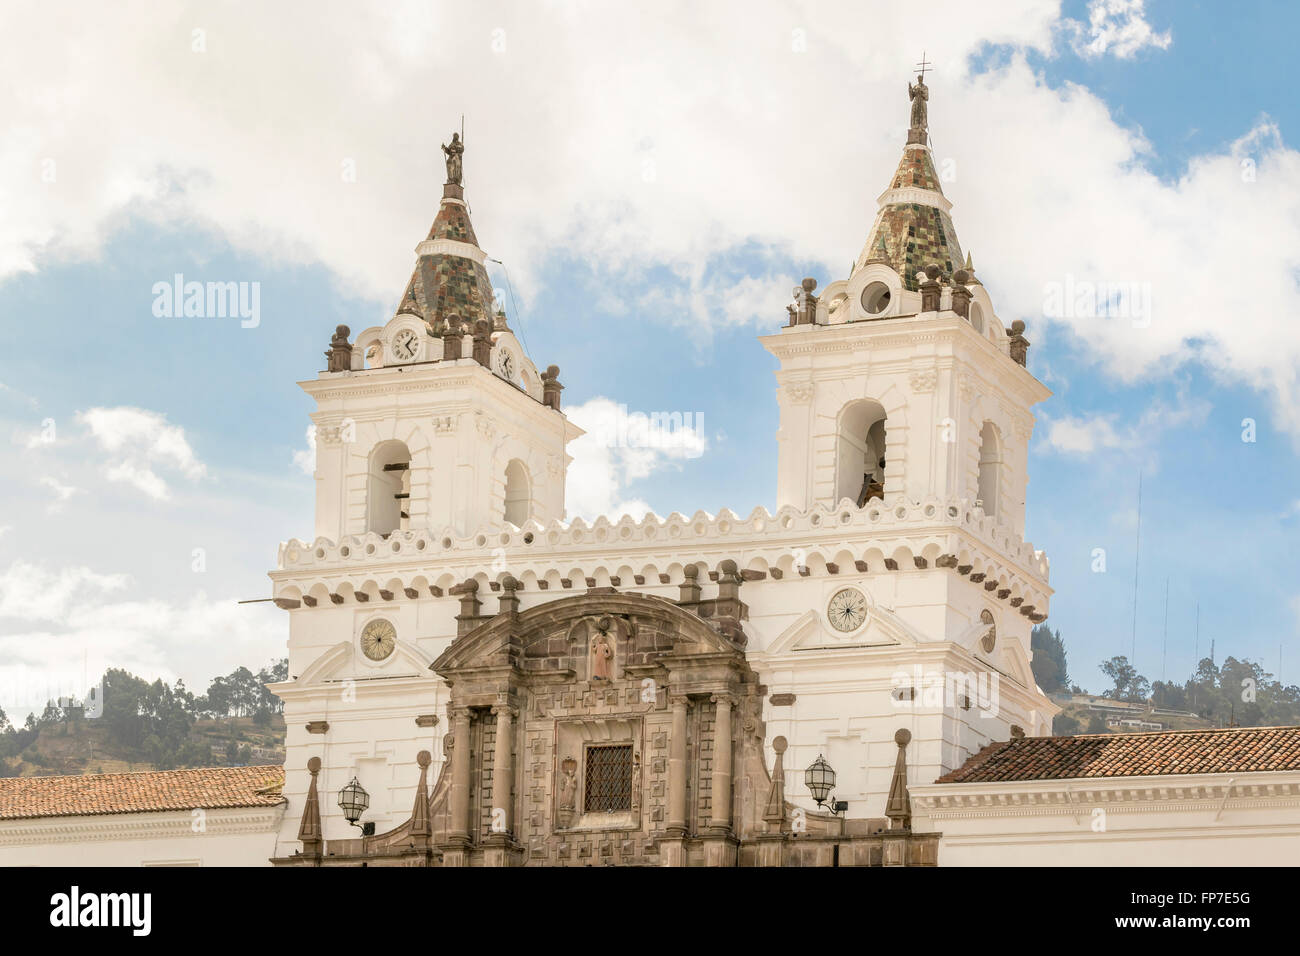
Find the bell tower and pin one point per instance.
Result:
(438, 420)
(900, 381)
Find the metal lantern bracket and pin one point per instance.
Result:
(353, 801)
(820, 780)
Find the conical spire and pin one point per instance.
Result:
(309, 829)
(913, 227)
(450, 276)
(898, 807)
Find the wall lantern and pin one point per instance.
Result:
(820, 780)
(353, 801)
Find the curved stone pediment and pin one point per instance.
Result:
(554, 637)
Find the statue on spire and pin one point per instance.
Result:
(454, 152)
(919, 94)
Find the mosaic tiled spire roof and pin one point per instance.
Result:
(450, 276)
(913, 227)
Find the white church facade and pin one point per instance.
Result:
(476, 679)
(891, 589)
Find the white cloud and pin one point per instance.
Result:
(33, 592)
(644, 141)
(88, 635)
(61, 491)
(305, 459)
(1083, 435)
(8, 391)
(620, 447)
(1118, 27)
(1088, 434)
(138, 441)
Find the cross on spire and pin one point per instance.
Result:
(923, 66)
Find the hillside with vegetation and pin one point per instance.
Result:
(151, 726)
(1236, 693)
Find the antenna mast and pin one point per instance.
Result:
(1137, 558)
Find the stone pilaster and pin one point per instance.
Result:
(458, 830)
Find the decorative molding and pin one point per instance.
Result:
(800, 393)
(924, 380)
(540, 549)
(162, 824)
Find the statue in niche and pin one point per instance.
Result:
(340, 351)
(636, 780)
(602, 652)
(568, 791)
(454, 154)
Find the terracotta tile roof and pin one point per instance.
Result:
(208, 788)
(1230, 750)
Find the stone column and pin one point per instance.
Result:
(503, 772)
(677, 769)
(721, 814)
(459, 830)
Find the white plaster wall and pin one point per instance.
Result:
(232, 838)
(1174, 820)
(462, 424)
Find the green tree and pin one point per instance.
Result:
(1051, 671)
(1063, 725)
(1129, 685)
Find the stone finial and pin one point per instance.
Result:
(729, 581)
(451, 338)
(421, 825)
(483, 342)
(961, 295)
(774, 811)
(339, 354)
(898, 807)
(509, 601)
(690, 586)
(309, 830)
(551, 387)
(1019, 345)
(930, 290)
(467, 619)
(808, 302)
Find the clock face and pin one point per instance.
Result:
(847, 610)
(506, 366)
(405, 345)
(378, 639)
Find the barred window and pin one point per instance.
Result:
(609, 779)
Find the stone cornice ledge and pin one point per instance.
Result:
(1079, 795)
(558, 541)
(160, 824)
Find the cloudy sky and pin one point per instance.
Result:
(655, 178)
